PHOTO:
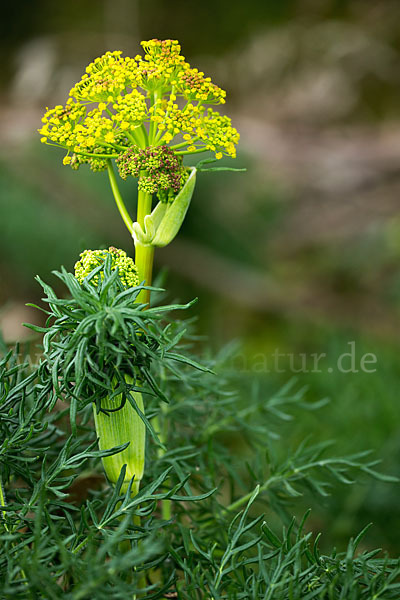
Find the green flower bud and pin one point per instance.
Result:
(91, 259)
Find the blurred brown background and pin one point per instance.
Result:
(301, 253)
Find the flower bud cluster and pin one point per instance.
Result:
(159, 169)
(91, 259)
(96, 164)
(193, 85)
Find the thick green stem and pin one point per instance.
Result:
(144, 255)
(144, 206)
(163, 434)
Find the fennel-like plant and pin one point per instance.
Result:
(182, 514)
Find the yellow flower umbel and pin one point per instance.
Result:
(147, 113)
(118, 422)
(153, 100)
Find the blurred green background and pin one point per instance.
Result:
(300, 255)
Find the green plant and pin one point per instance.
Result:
(191, 466)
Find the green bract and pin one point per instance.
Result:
(163, 224)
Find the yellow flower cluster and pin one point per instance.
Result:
(216, 132)
(161, 65)
(106, 77)
(91, 259)
(165, 66)
(60, 121)
(82, 131)
(154, 100)
(194, 86)
(200, 127)
(130, 111)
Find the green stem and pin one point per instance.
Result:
(244, 499)
(183, 144)
(282, 475)
(158, 138)
(3, 503)
(144, 205)
(96, 155)
(144, 255)
(133, 138)
(184, 152)
(113, 145)
(81, 152)
(145, 134)
(3, 512)
(141, 136)
(118, 198)
(155, 97)
(162, 429)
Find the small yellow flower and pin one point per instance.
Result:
(109, 137)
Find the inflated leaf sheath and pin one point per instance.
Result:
(116, 428)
